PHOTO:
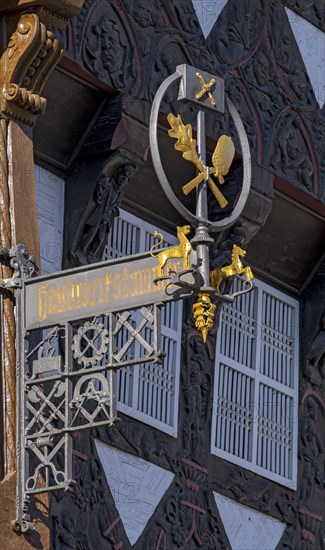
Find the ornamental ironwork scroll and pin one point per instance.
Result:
(206, 93)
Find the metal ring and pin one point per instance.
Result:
(227, 222)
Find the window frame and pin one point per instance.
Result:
(173, 334)
(258, 378)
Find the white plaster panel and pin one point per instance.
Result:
(311, 42)
(137, 487)
(50, 212)
(248, 529)
(207, 12)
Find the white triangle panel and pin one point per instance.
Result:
(137, 487)
(311, 42)
(248, 529)
(208, 12)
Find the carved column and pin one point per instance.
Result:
(29, 54)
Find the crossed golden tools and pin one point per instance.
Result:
(206, 87)
(222, 157)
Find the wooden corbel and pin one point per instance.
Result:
(25, 65)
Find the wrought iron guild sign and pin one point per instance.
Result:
(76, 327)
(205, 91)
(74, 330)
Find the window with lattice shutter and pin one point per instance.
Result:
(148, 392)
(256, 383)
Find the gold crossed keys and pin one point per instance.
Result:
(206, 87)
(222, 157)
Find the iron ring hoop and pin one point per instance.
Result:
(227, 222)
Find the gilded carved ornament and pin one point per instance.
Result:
(182, 250)
(235, 268)
(25, 65)
(222, 157)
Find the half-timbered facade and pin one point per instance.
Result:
(219, 445)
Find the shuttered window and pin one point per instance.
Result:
(50, 213)
(256, 383)
(148, 392)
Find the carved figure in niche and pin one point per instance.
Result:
(300, 85)
(315, 368)
(265, 89)
(261, 69)
(311, 452)
(288, 156)
(197, 393)
(107, 52)
(142, 13)
(107, 198)
(295, 158)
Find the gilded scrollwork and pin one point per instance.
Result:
(31, 54)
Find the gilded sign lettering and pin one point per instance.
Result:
(95, 290)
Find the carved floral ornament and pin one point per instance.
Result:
(31, 55)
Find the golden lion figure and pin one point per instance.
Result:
(182, 250)
(235, 268)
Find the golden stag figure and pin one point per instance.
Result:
(235, 268)
(182, 250)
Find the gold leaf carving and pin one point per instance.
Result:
(185, 141)
(222, 157)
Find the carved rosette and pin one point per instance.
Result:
(31, 54)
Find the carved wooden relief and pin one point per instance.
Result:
(92, 234)
(270, 87)
(312, 10)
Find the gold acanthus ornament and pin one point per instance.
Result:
(182, 250)
(222, 157)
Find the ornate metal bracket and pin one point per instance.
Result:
(22, 264)
(207, 92)
(67, 358)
